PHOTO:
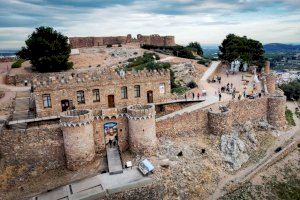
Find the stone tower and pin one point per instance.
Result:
(78, 137)
(142, 132)
(219, 122)
(271, 83)
(276, 111)
(267, 67)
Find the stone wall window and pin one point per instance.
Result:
(96, 95)
(162, 88)
(137, 91)
(80, 97)
(47, 100)
(124, 92)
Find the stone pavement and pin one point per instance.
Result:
(114, 160)
(98, 186)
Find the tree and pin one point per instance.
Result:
(47, 50)
(235, 47)
(291, 89)
(197, 46)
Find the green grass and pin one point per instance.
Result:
(289, 117)
(17, 64)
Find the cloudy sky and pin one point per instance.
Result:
(205, 21)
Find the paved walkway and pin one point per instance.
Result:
(212, 68)
(97, 186)
(114, 160)
(209, 100)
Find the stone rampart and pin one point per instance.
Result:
(142, 130)
(156, 40)
(78, 135)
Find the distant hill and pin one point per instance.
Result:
(281, 47)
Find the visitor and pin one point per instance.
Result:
(185, 96)
(193, 94)
(259, 95)
(198, 95)
(239, 97)
(220, 96)
(110, 142)
(244, 94)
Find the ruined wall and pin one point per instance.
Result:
(30, 153)
(80, 42)
(156, 40)
(65, 87)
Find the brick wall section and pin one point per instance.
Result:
(65, 88)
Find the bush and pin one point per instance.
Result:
(291, 90)
(179, 89)
(289, 117)
(17, 64)
(192, 84)
(108, 46)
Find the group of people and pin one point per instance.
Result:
(113, 142)
(194, 95)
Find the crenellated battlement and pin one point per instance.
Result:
(139, 112)
(76, 118)
(51, 81)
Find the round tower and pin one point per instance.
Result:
(78, 137)
(276, 111)
(142, 132)
(271, 83)
(219, 123)
(267, 67)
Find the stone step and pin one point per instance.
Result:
(114, 160)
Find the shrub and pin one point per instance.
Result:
(291, 89)
(289, 117)
(179, 89)
(17, 64)
(108, 46)
(192, 84)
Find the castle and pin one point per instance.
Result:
(156, 40)
(78, 114)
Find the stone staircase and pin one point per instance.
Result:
(114, 160)
(21, 109)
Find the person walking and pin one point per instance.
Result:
(193, 95)
(198, 95)
(239, 97)
(220, 96)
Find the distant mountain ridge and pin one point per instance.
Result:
(281, 47)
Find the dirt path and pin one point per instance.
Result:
(241, 175)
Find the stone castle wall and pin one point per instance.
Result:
(80, 42)
(30, 153)
(78, 135)
(65, 87)
(205, 121)
(157, 40)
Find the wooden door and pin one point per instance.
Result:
(111, 101)
(150, 97)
